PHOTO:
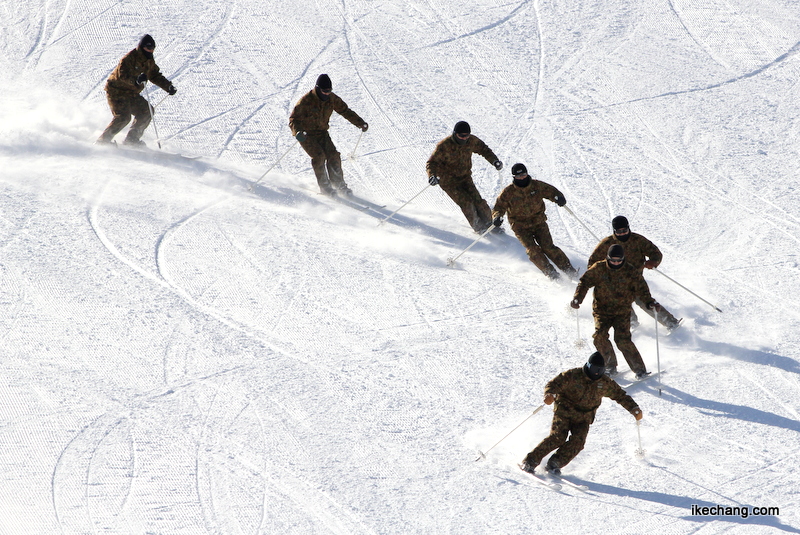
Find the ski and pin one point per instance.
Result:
(670, 332)
(369, 204)
(350, 200)
(649, 375)
(635, 382)
(572, 484)
(155, 154)
(347, 201)
(556, 487)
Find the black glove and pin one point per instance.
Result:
(433, 180)
(561, 201)
(574, 304)
(300, 136)
(654, 306)
(364, 127)
(171, 90)
(142, 78)
(498, 164)
(497, 221)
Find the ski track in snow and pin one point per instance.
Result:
(275, 362)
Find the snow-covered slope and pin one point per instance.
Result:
(182, 355)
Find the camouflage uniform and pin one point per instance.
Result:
(452, 163)
(312, 115)
(122, 93)
(577, 401)
(526, 215)
(614, 293)
(638, 249)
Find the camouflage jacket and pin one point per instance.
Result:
(525, 206)
(637, 250)
(312, 115)
(578, 396)
(614, 289)
(122, 82)
(452, 162)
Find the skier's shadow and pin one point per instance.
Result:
(683, 502)
(288, 197)
(749, 355)
(729, 410)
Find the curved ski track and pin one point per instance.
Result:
(335, 520)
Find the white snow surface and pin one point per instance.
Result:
(181, 355)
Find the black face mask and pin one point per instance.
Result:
(323, 97)
(458, 140)
(617, 266)
(622, 237)
(149, 42)
(522, 182)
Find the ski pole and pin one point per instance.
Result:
(483, 454)
(388, 217)
(687, 289)
(570, 212)
(254, 184)
(153, 118)
(579, 343)
(639, 452)
(452, 261)
(658, 355)
(353, 154)
(160, 101)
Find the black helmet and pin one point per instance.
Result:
(462, 127)
(324, 82)
(615, 254)
(621, 228)
(595, 367)
(146, 44)
(518, 169)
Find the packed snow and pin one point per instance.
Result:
(183, 354)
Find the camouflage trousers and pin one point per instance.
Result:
(468, 198)
(325, 160)
(539, 245)
(621, 323)
(122, 107)
(567, 434)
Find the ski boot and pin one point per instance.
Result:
(527, 467)
(553, 467)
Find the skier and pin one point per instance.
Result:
(450, 166)
(309, 124)
(123, 88)
(523, 200)
(640, 253)
(577, 394)
(616, 284)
